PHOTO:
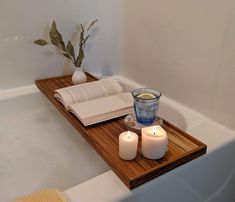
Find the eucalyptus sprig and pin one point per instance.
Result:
(68, 50)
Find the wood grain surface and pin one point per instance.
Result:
(103, 137)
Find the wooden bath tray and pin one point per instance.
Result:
(103, 138)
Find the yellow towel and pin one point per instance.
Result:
(49, 195)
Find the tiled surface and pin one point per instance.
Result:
(39, 149)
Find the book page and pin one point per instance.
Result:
(87, 91)
(105, 108)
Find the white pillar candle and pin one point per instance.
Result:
(128, 142)
(154, 142)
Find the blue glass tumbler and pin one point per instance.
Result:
(146, 102)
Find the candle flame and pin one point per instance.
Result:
(128, 134)
(155, 130)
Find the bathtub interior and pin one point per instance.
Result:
(39, 149)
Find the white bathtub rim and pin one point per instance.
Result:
(19, 91)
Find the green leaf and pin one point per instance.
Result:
(81, 35)
(56, 37)
(70, 49)
(91, 24)
(53, 30)
(40, 42)
(53, 39)
(80, 57)
(60, 40)
(67, 55)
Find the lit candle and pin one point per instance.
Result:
(154, 142)
(128, 142)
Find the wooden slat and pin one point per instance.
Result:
(103, 137)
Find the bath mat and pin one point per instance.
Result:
(49, 195)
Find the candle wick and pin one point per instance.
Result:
(155, 131)
(128, 135)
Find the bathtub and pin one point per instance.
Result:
(210, 177)
(39, 149)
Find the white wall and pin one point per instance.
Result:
(21, 22)
(185, 48)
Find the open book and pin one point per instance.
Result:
(96, 101)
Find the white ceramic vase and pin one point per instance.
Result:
(79, 76)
